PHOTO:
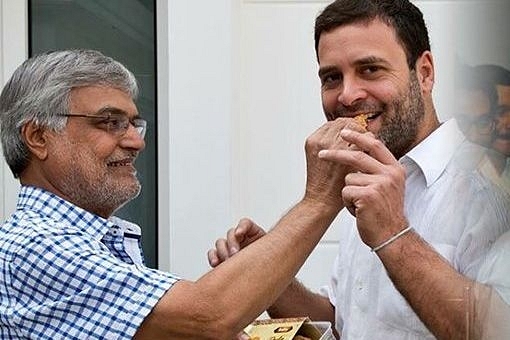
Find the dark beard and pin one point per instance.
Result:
(400, 126)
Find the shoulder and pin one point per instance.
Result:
(27, 232)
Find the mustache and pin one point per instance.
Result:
(352, 110)
(127, 156)
(504, 136)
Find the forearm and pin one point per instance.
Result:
(233, 294)
(437, 293)
(268, 265)
(297, 300)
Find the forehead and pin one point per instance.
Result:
(472, 102)
(95, 98)
(360, 40)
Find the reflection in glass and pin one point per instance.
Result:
(123, 30)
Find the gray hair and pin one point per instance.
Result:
(39, 91)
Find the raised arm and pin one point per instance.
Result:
(296, 300)
(222, 302)
(436, 291)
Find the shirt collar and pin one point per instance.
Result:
(48, 204)
(433, 154)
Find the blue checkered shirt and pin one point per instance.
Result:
(69, 274)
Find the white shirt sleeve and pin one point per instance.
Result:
(495, 270)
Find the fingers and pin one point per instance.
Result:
(353, 198)
(355, 159)
(246, 232)
(212, 258)
(328, 135)
(220, 253)
(369, 144)
(237, 238)
(368, 155)
(243, 229)
(324, 180)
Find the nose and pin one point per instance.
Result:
(132, 139)
(351, 91)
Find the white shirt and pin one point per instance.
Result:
(489, 170)
(495, 270)
(450, 205)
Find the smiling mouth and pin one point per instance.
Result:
(372, 115)
(122, 162)
(359, 115)
(365, 117)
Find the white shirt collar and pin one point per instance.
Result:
(433, 154)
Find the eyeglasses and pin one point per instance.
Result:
(484, 124)
(114, 121)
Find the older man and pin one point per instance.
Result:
(71, 133)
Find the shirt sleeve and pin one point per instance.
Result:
(495, 270)
(70, 286)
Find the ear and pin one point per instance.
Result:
(425, 72)
(36, 139)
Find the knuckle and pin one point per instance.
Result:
(376, 144)
(311, 143)
(398, 172)
(359, 155)
(244, 220)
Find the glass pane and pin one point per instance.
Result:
(124, 30)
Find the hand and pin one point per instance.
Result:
(374, 193)
(325, 180)
(239, 237)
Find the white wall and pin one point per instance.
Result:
(483, 29)
(199, 130)
(279, 107)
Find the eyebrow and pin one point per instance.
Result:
(370, 60)
(117, 110)
(326, 69)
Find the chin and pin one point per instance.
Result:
(133, 190)
(126, 190)
(502, 146)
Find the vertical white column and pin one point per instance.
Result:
(163, 137)
(13, 50)
(194, 156)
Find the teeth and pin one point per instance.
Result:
(367, 114)
(119, 163)
(372, 115)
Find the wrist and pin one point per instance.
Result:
(322, 205)
(392, 239)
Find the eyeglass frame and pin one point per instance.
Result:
(485, 124)
(106, 114)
